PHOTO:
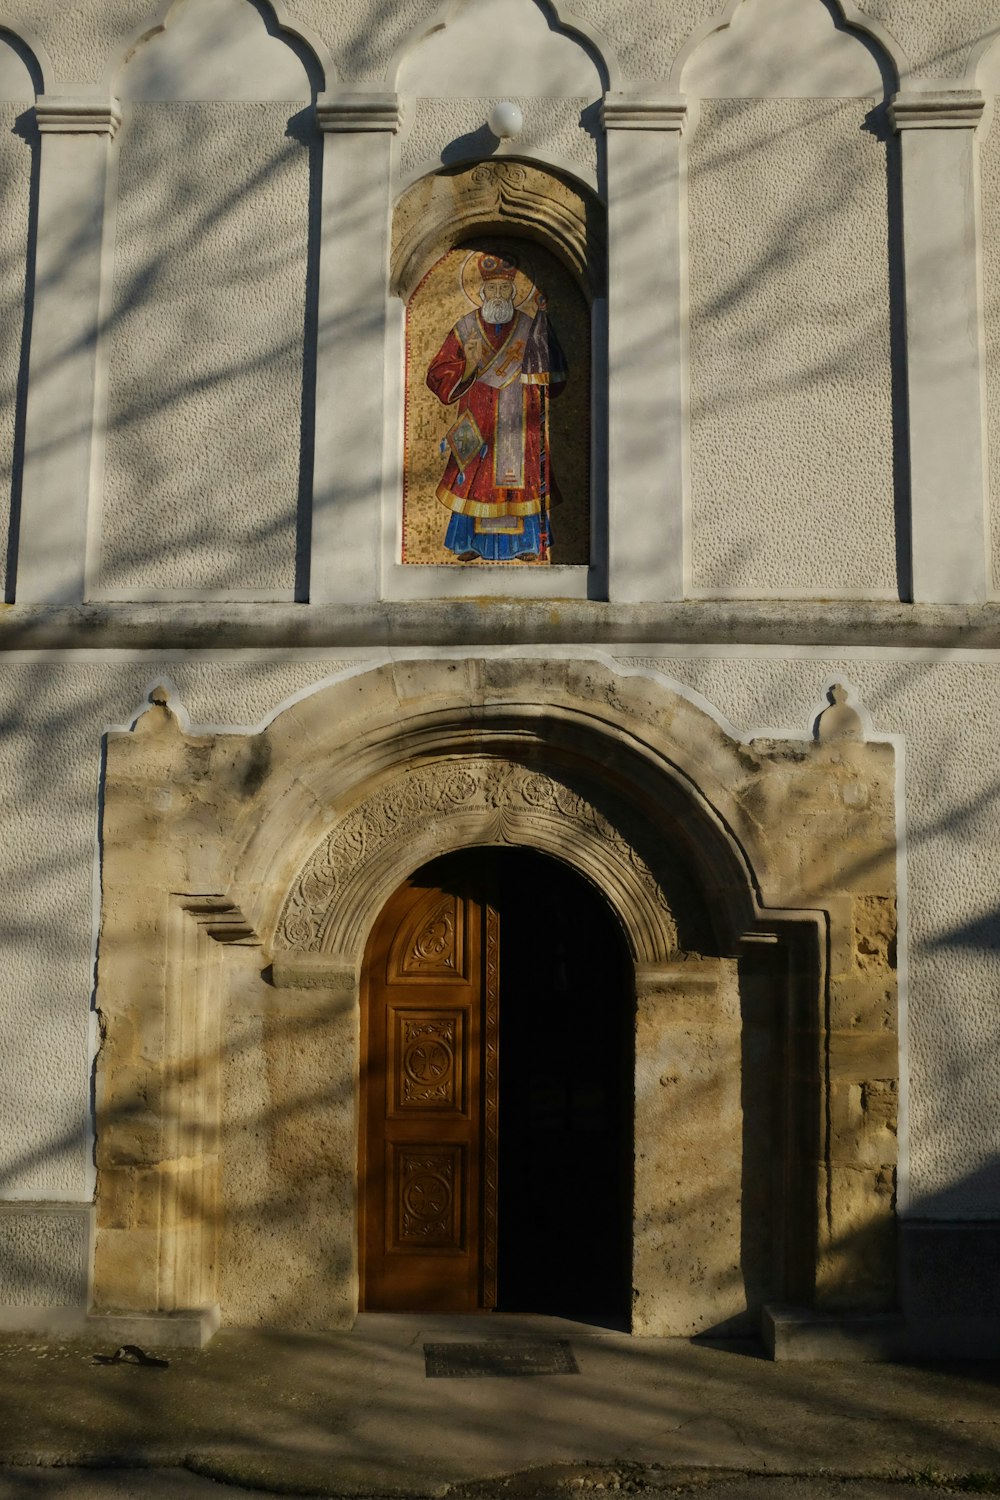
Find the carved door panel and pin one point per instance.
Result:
(429, 1101)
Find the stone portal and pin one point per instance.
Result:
(753, 887)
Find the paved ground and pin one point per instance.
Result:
(356, 1414)
(175, 1484)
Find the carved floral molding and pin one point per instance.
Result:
(507, 801)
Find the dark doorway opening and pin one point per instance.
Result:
(566, 1094)
(497, 1094)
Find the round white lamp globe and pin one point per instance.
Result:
(506, 120)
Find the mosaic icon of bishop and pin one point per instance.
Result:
(502, 364)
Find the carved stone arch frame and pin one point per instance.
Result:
(507, 799)
(242, 874)
(520, 199)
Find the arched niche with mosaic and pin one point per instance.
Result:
(497, 419)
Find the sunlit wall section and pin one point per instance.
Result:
(205, 455)
(792, 479)
(17, 143)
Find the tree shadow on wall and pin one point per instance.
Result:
(214, 323)
(10, 275)
(49, 730)
(209, 343)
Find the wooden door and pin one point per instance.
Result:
(429, 1103)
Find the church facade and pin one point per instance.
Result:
(500, 667)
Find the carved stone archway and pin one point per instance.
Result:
(456, 804)
(236, 912)
(517, 198)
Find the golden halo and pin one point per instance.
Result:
(472, 282)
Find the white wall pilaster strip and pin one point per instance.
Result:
(75, 131)
(645, 347)
(351, 344)
(943, 344)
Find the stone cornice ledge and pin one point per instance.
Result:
(354, 112)
(462, 623)
(71, 114)
(945, 109)
(643, 111)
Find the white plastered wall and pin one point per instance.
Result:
(490, 46)
(206, 332)
(792, 486)
(55, 713)
(364, 36)
(440, 132)
(810, 468)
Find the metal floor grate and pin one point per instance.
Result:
(500, 1357)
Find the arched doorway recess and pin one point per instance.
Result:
(495, 1122)
(753, 885)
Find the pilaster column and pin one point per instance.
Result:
(645, 344)
(350, 356)
(59, 449)
(943, 346)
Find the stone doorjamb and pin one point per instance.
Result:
(709, 851)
